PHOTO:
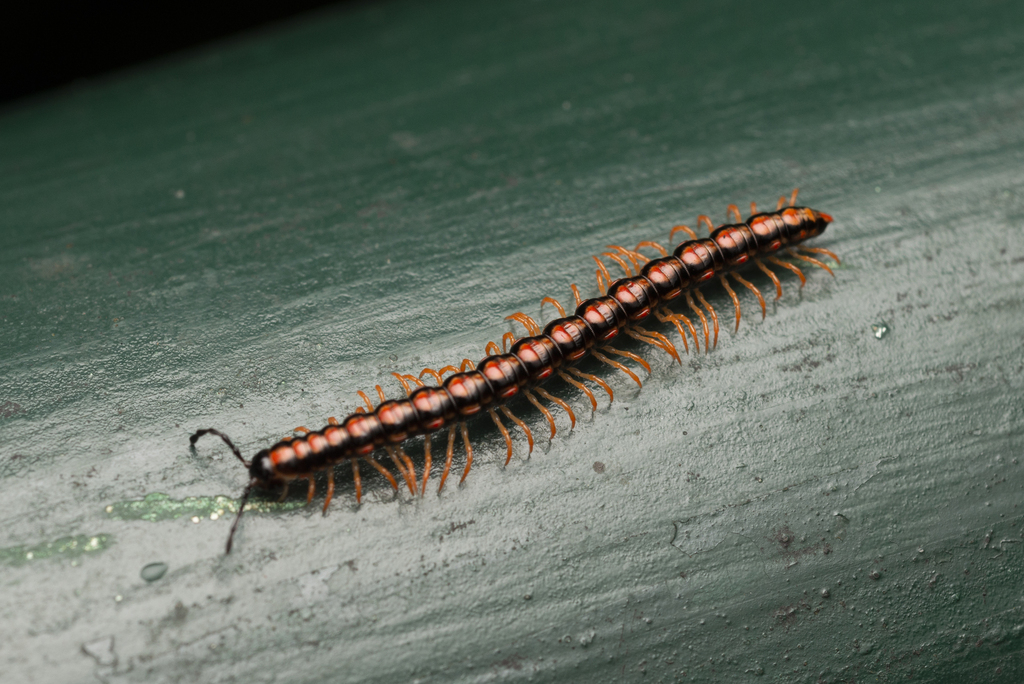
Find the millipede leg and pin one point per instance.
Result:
(302, 429)
(630, 355)
(596, 380)
(703, 321)
(733, 297)
(576, 294)
(410, 467)
(312, 490)
(383, 471)
(405, 383)
(555, 400)
(753, 288)
(525, 321)
(792, 198)
(398, 464)
(284, 492)
(653, 245)
(663, 318)
(668, 346)
(735, 212)
(466, 363)
(790, 267)
(433, 373)
(333, 421)
(380, 393)
(491, 349)
(620, 261)
(615, 364)
(358, 481)
(366, 400)
(707, 221)
(553, 302)
(714, 316)
(822, 250)
(681, 229)
(781, 203)
(655, 339)
(753, 208)
(404, 465)
(507, 340)
(522, 426)
(469, 451)
(812, 260)
(447, 458)
(330, 489)
(583, 388)
(504, 433)
(602, 284)
(602, 269)
(543, 409)
(689, 326)
(629, 255)
(426, 464)
(775, 279)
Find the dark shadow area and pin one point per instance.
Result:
(46, 45)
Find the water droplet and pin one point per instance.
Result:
(118, 598)
(153, 571)
(879, 330)
(527, 597)
(825, 593)
(393, 357)
(874, 574)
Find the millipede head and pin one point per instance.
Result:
(821, 221)
(261, 470)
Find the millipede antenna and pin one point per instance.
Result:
(194, 438)
(238, 518)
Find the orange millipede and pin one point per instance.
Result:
(522, 364)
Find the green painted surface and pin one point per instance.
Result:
(244, 237)
(156, 507)
(65, 548)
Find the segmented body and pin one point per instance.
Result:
(533, 360)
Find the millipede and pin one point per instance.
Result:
(522, 364)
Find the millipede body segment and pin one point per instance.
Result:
(521, 365)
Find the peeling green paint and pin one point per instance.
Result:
(158, 506)
(65, 547)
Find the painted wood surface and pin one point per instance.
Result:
(243, 237)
